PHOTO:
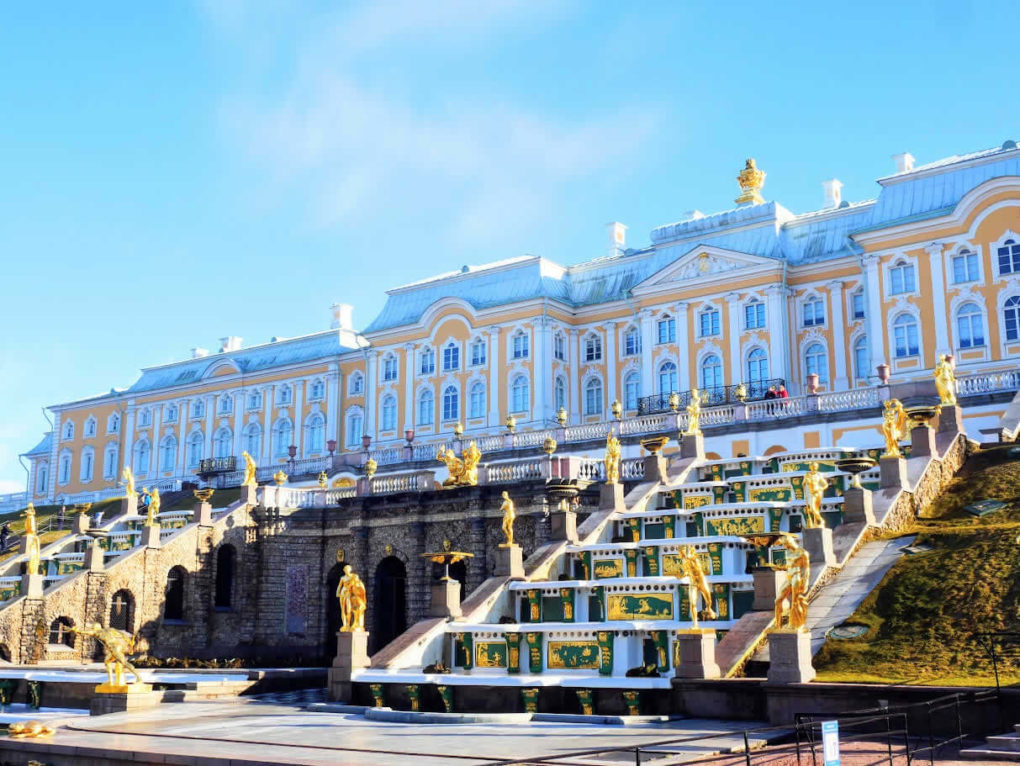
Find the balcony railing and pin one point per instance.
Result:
(214, 465)
(710, 397)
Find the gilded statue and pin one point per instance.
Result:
(815, 485)
(751, 181)
(249, 479)
(32, 549)
(127, 479)
(690, 567)
(29, 730)
(471, 457)
(323, 480)
(798, 579)
(118, 645)
(945, 381)
(894, 425)
(612, 458)
(463, 470)
(152, 511)
(351, 592)
(509, 514)
(694, 414)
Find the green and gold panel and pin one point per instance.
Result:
(721, 600)
(696, 501)
(631, 557)
(672, 567)
(669, 526)
(597, 604)
(635, 529)
(716, 472)
(677, 497)
(534, 606)
(739, 491)
(715, 557)
(798, 486)
(651, 559)
(567, 602)
(699, 522)
(513, 652)
(823, 465)
(735, 525)
(490, 654)
(585, 559)
(660, 638)
(640, 606)
(685, 604)
(718, 494)
(606, 639)
(771, 494)
(606, 568)
(775, 516)
(67, 567)
(534, 641)
(573, 655)
(463, 652)
(10, 591)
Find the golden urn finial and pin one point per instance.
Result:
(751, 180)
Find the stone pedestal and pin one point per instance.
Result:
(818, 544)
(351, 655)
(510, 562)
(768, 583)
(563, 525)
(150, 536)
(655, 468)
(81, 523)
(858, 506)
(692, 446)
(203, 513)
(129, 505)
(790, 657)
(697, 655)
(249, 494)
(951, 419)
(95, 558)
(445, 599)
(363, 486)
(124, 698)
(894, 472)
(611, 497)
(32, 586)
(922, 442)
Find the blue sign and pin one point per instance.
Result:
(830, 742)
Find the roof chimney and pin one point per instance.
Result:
(617, 237)
(198, 353)
(904, 162)
(343, 316)
(230, 343)
(833, 192)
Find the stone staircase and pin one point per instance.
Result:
(1002, 747)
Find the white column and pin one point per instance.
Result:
(494, 377)
(683, 349)
(541, 364)
(268, 396)
(299, 422)
(736, 372)
(775, 321)
(239, 404)
(210, 424)
(876, 329)
(128, 426)
(409, 373)
(371, 375)
(574, 376)
(610, 357)
(647, 347)
(334, 393)
(938, 300)
(838, 327)
(51, 479)
(183, 413)
(155, 468)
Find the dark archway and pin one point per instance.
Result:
(62, 631)
(224, 596)
(332, 609)
(122, 610)
(173, 606)
(390, 598)
(458, 572)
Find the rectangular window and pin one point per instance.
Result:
(451, 358)
(709, 321)
(902, 278)
(754, 315)
(632, 343)
(593, 349)
(389, 369)
(1009, 257)
(857, 305)
(814, 313)
(428, 362)
(666, 330)
(965, 268)
(560, 348)
(906, 340)
(520, 346)
(478, 353)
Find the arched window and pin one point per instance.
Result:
(173, 605)
(168, 453)
(68, 430)
(970, 326)
(520, 394)
(316, 425)
(284, 394)
(667, 378)
(64, 467)
(113, 423)
(90, 427)
(62, 631)
(283, 436)
(427, 362)
(1009, 257)
(902, 278)
(317, 390)
(224, 591)
(389, 413)
(905, 336)
(476, 395)
(122, 611)
(196, 447)
(593, 348)
(355, 427)
(631, 342)
(451, 357)
(560, 394)
(42, 474)
(593, 397)
(253, 439)
(757, 366)
(711, 372)
(141, 458)
(862, 358)
(426, 408)
(816, 361)
(171, 413)
(631, 390)
(88, 460)
(451, 403)
(222, 442)
(1011, 317)
(356, 386)
(226, 404)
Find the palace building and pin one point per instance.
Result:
(830, 300)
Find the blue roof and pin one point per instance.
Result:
(42, 448)
(308, 348)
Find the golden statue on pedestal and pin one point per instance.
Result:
(152, 510)
(690, 566)
(127, 478)
(694, 414)
(249, 479)
(815, 485)
(751, 181)
(612, 459)
(463, 471)
(509, 514)
(32, 549)
(351, 592)
(945, 381)
(798, 579)
(323, 480)
(117, 645)
(894, 424)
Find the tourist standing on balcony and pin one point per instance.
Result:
(771, 393)
(781, 392)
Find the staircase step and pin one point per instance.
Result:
(1009, 741)
(989, 754)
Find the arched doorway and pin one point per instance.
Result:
(332, 609)
(224, 590)
(173, 607)
(390, 598)
(458, 572)
(122, 607)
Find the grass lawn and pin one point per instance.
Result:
(923, 617)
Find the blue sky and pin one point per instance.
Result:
(174, 173)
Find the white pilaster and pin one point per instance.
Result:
(683, 348)
(210, 425)
(647, 350)
(155, 468)
(735, 371)
(334, 394)
(775, 322)
(128, 427)
(409, 377)
(299, 421)
(494, 377)
(612, 369)
(268, 397)
(541, 364)
(574, 375)
(876, 330)
(938, 300)
(838, 327)
(371, 376)
(51, 479)
(183, 415)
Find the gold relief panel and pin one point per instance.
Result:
(771, 494)
(696, 501)
(605, 568)
(672, 564)
(573, 655)
(490, 654)
(736, 525)
(640, 606)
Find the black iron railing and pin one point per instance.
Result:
(214, 465)
(710, 397)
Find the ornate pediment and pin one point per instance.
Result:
(708, 264)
